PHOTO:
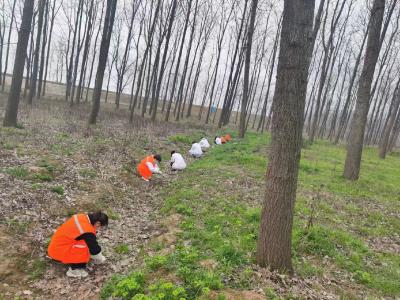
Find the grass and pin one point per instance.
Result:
(58, 189)
(220, 200)
(122, 249)
(17, 172)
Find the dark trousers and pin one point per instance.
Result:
(78, 266)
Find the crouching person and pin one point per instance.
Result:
(148, 166)
(74, 243)
(177, 161)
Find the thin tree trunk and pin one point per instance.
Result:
(104, 47)
(10, 118)
(8, 44)
(355, 144)
(34, 77)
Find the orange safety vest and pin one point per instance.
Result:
(228, 137)
(143, 169)
(63, 246)
(223, 140)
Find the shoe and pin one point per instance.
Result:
(98, 259)
(145, 179)
(77, 273)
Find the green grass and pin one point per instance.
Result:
(58, 189)
(17, 172)
(220, 196)
(121, 249)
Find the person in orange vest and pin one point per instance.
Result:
(74, 243)
(228, 137)
(223, 140)
(148, 166)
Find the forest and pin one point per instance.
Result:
(296, 197)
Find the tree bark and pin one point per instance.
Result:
(246, 94)
(8, 43)
(34, 77)
(104, 47)
(356, 140)
(10, 118)
(274, 244)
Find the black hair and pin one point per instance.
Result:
(194, 142)
(173, 152)
(98, 217)
(157, 157)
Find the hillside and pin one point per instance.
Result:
(191, 234)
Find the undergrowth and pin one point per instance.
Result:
(219, 198)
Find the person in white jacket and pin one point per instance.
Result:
(204, 144)
(177, 161)
(218, 141)
(196, 151)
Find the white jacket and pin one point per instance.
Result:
(153, 168)
(178, 162)
(204, 143)
(196, 150)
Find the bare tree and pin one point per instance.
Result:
(250, 30)
(104, 47)
(356, 140)
(10, 118)
(8, 43)
(274, 244)
(35, 71)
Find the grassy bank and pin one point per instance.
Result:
(345, 238)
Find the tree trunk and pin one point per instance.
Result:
(355, 144)
(104, 47)
(246, 94)
(274, 244)
(43, 51)
(34, 77)
(10, 118)
(8, 43)
(53, 16)
(391, 121)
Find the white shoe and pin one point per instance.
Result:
(77, 273)
(145, 179)
(98, 259)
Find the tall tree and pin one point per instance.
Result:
(274, 244)
(103, 55)
(35, 71)
(8, 43)
(246, 94)
(356, 140)
(391, 121)
(10, 118)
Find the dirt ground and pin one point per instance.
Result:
(96, 170)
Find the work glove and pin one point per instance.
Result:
(98, 258)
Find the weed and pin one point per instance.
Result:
(156, 262)
(58, 189)
(18, 172)
(37, 269)
(36, 186)
(48, 166)
(88, 173)
(122, 249)
(43, 177)
(8, 146)
(16, 226)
